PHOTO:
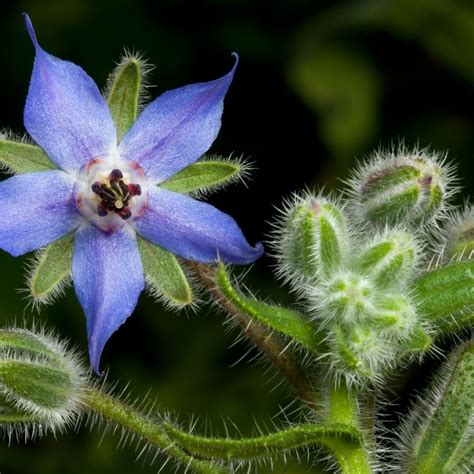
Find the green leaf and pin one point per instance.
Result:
(446, 295)
(124, 91)
(164, 274)
(262, 446)
(204, 175)
(51, 270)
(284, 320)
(17, 157)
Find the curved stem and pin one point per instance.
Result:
(266, 340)
(149, 430)
(200, 453)
(265, 445)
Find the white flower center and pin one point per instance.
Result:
(110, 193)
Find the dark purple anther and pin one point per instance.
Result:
(125, 213)
(101, 210)
(134, 189)
(115, 175)
(96, 188)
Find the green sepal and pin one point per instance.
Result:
(390, 258)
(38, 376)
(406, 188)
(39, 384)
(262, 446)
(418, 342)
(12, 416)
(165, 276)
(443, 419)
(18, 158)
(286, 321)
(205, 175)
(124, 90)
(446, 295)
(311, 240)
(19, 341)
(51, 270)
(299, 250)
(350, 346)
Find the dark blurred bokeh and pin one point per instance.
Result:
(319, 84)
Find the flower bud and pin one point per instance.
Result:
(458, 241)
(395, 316)
(410, 187)
(348, 298)
(39, 378)
(437, 436)
(389, 258)
(311, 240)
(359, 354)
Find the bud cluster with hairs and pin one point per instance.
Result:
(352, 259)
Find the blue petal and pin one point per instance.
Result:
(177, 128)
(194, 230)
(65, 112)
(35, 209)
(108, 278)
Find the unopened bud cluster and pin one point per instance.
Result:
(352, 260)
(41, 382)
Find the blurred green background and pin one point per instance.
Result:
(319, 84)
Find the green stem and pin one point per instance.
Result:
(265, 445)
(197, 452)
(342, 407)
(148, 429)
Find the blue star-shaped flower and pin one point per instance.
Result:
(107, 192)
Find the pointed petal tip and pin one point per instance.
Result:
(95, 363)
(30, 29)
(231, 73)
(237, 59)
(252, 255)
(94, 356)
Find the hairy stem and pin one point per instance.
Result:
(266, 340)
(265, 445)
(342, 407)
(149, 430)
(200, 453)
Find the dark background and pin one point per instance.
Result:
(319, 84)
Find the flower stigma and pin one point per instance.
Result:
(108, 193)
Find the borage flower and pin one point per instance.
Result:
(107, 191)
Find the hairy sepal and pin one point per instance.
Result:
(165, 276)
(210, 173)
(41, 381)
(438, 435)
(310, 239)
(50, 271)
(124, 91)
(18, 157)
(390, 258)
(401, 186)
(446, 295)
